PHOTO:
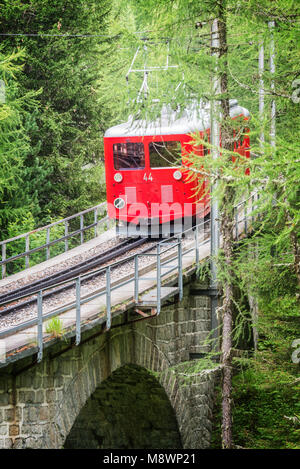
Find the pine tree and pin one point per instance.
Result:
(66, 140)
(17, 201)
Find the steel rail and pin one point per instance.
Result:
(99, 292)
(76, 270)
(68, 274)
(64, 285)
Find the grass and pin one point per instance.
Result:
(54, 327)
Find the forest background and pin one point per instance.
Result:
(62, 70)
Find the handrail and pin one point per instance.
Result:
(98, 210)
(103, 204)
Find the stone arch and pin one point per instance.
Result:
(129, 410)
(50, 396)
(84, 368)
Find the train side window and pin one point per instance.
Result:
(129, 155)
(165, 154)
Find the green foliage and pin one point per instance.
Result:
(24, 224)
(265, 403)
(65, 129)
(261, 411)
(51, 151)
(266, 386)
(266, 266)
(17, 199)
(54, 327)
(193, 367)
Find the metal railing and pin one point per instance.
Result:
(161, 250)
(162, 262)
(245, 214)
(177, 242)
(98, 219)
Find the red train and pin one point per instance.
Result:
(149, 192)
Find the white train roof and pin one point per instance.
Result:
(195, 117)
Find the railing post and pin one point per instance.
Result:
(236, 216)
(66, 234)
(95, 221)
(197, 248)
(258, 214)
(136, 278)
(27, 249)
(2, 351)
(81, 228)
(3, 258)
(78, 330)
(158, 299)
(180, 279)
(108, 299)
(47, 242)
(245, 217)
(40, 325)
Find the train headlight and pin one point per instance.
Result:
(119, 203)
(177, 175)
(118, 177)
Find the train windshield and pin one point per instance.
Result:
(165, 154)
(129, 155)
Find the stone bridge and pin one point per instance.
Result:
(142, 384)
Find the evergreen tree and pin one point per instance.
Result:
(17, 199)
(274, 170)
(66, 139)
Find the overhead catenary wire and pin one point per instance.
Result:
(110, 36)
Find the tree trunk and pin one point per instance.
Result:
(295, 246)
(226, 230)
(227, 309)
(253, 257)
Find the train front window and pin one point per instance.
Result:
(165, 154)
(129, 155)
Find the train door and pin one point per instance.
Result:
(125, 174)
(165, 184)
(199, 184)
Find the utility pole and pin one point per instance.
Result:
(145, 82)
(261, 93)
(271, 25)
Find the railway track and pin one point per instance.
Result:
(64, 275)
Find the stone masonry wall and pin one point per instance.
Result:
(39, 403)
